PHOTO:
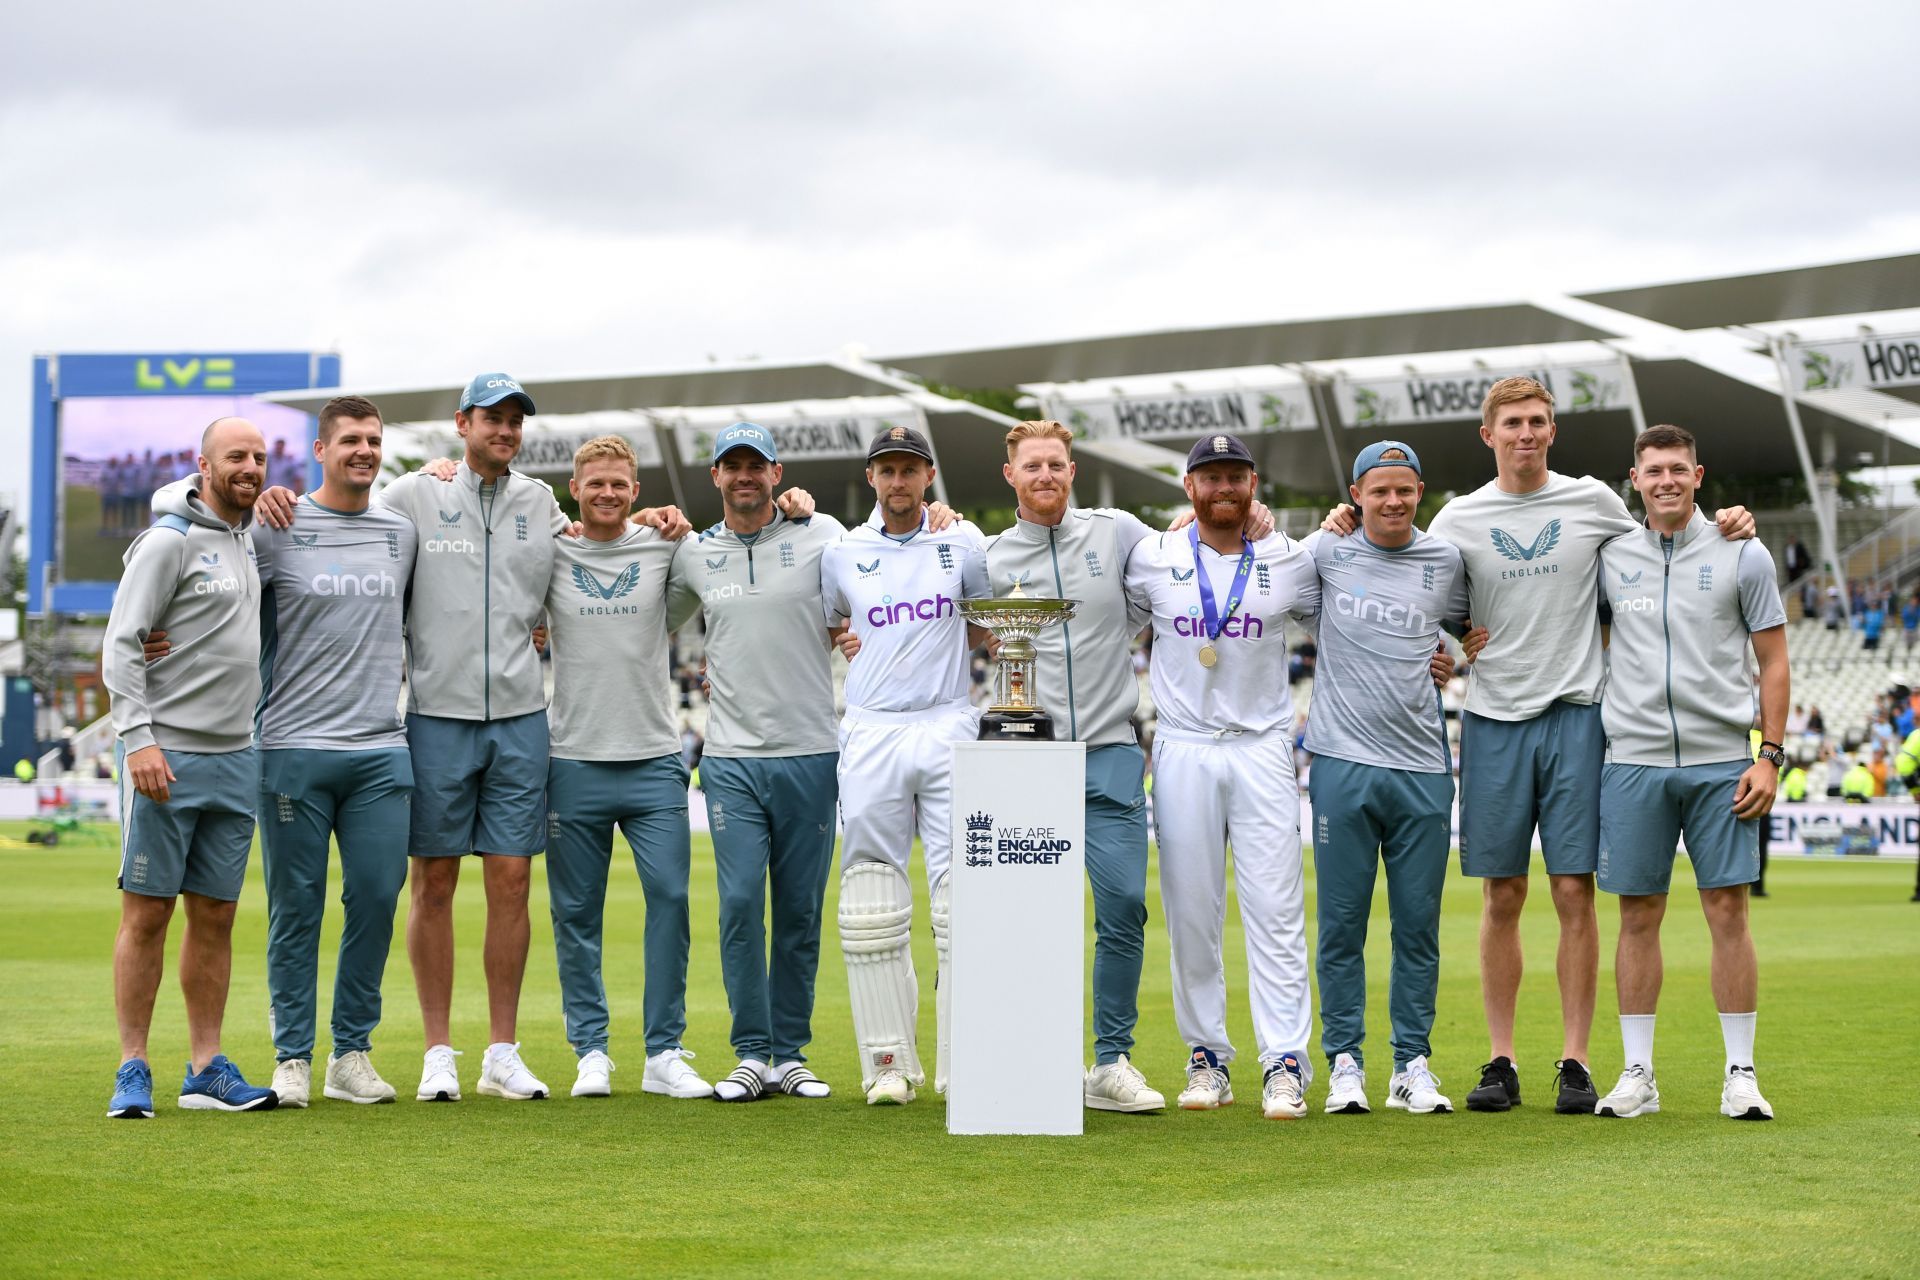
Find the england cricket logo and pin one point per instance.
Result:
(622, 585)
(1509, 546)
(786, 555)
(946, 555)
(393, 545)
(520, 528)
(1093, 564)
(979, 839)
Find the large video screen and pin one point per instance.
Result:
(116, 450)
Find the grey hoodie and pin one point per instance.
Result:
(192, 575)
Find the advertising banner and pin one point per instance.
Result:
(1873, 362)
(1237, 411)
(1406, 398)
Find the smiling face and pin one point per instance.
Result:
(900, 482)
(1222, 494)
(349, 454)
(1667, 477)
(746, 481)
(1041, 472)
(492, 434)
(1519, 435)
(233, 467)
(1388, 498)
(605, 488)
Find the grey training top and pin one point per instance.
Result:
(1680, 662)
(769, 678)
(1083, 675)
(479, 584)
(191, 575)
(606, 609)
(332, 628)
(1381, 609)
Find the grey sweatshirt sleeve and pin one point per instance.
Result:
(146, 589)
(833, 601)
(683, 602)
(1760, 602)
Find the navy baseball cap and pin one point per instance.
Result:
(1218, 449)
(900, 440)
(490, 389)
(744, 435)
(1375, 455)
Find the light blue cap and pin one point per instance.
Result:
(490, 389)
(744, 435)
(1374, 455)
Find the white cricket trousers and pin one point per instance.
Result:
(896, 774)
(1209, 793)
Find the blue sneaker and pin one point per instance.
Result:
(221, 1087)
(132, 1092)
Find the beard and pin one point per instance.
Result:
(1223, 512)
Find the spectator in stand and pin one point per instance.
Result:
(1816, 723)
(1826, 773)
(1809, 597)
(1856, 784)
(1880, 732)
(1878, 768)
(1796, 559)
(1910, 619)
(1872, 623)
(1830, 611)
(1856, 597)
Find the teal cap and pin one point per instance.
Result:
(744, 435)
(490, 389)
(1375, 455)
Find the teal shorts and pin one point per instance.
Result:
(1519, 774)
(479, 786)
(198, 841)
(1644, 810)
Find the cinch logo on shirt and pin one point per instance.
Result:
(1634, 604)
(1237, 627)
(1358, 603)
(211, 586)
(449, 544)
(335, 583)
(887, 613)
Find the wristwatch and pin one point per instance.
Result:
(1773, 753)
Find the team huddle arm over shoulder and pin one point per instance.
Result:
(145, 589)
(683, 602)
(833, 601)
(1611, 510)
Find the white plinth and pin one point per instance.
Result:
(1019, 937)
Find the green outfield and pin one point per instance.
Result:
(641, 1183)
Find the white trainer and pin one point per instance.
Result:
(890, 1088)
(667, 1072)
(1347, 1088)
(1740, 1097)
(1208, 1085)
(439, 1082)
(1283, 1094)
(1119, 1086)
(503, 1075)
(595, 1079)
(1416, 1090)
(1635, 1095)
(293, 1082)
(351, 1078)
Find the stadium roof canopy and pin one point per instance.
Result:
(1696, 352)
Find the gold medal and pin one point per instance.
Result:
(1208, 655)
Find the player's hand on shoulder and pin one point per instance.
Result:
(796, 504)
(1340, 520)
(274, 507)
(155, 647)
(443, 469)
(150, 773)
(672, 525)
(1259, 521)
(1735, 523)
(1181, 521)
(941, 516)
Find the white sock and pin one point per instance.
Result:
(1737, 1030)
(1636, 1037)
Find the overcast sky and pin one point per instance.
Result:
(439, 189)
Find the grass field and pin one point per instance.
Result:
(641, 1183)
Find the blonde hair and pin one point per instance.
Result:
(1038, 429)
(606, 447)
(1512, 391)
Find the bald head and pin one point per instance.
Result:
(226, 433)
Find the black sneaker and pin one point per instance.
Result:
(1499, 1087)
(1577, 1096)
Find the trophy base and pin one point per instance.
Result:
(1016, 726)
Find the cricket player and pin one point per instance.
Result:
(334, 762)
(616, 763)
(896, 587)
(1692, 614)
(1223, 773)
(1531, 739)
(188, 777)
(1382, 781)
(770, 768)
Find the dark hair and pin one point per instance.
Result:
(345, 407)
(1665, 436)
